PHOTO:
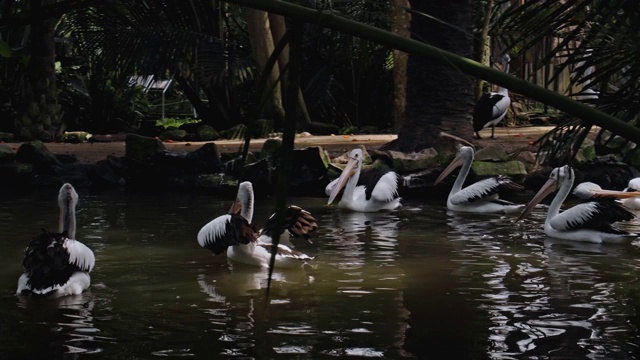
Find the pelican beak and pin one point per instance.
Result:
(347, 173)
(616, 194)
(236, 207)
(457, 161)
(550, 186)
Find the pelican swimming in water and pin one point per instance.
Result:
(590, 221)
(378, 191)
(588, 191)
(56, 264)
(234, 234)
(479, 197)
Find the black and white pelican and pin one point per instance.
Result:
(479, 197)
(234, 234)
(591, 221)
(377, 191)
(492, 107)
(588, 191)
(56, 264)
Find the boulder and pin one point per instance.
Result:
(513, 168)
(234, 133)
(37, 154)
(142, 149)
(204, 160)
(174, 135)
(491, 153)
(207, 133)
(405, 163)
(108, 173)
(270, 147)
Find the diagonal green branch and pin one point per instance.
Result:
(333, 21)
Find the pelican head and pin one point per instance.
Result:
(589, 190)
(243, 205)
(506, 59)
(353, 167)
(464, 156)
(559, 176)
(67, 201)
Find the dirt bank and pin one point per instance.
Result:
(512, 139)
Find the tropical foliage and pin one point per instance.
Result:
(587, 35)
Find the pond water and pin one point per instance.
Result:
(419, 283)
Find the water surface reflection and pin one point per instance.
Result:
(416, 283)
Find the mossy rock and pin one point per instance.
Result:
(141, 148)
(174, 134)
(348, 130)
(207, 133)
(513, 168)
(269, 147)
(587, 152)
(235, 133)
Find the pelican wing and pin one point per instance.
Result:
(224, 231)
(296, 220)
(486, 189)
(287, 252)
(79, 255)
(501, 106)
(385, 189)
(595, 215)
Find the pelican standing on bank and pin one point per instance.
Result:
(479, 197)
(492, 107)
(234, 234)
(590, 221)
(56, 264)
(378, 192)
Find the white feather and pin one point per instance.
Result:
(80, 255)
(576, 216)
(481, 190)
(214, 230)
(386, 188)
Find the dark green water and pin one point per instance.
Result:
(417, 283)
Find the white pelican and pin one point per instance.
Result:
(589, 191)
(55, 263)
(633, 202)
(589, 221)
(482, 196)
(378, 190)
(492, 107)
(234, 234)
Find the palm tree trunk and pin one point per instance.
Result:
(43, 112)
(400, 22)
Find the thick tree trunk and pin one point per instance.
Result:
(482, 43)
(400, 22)
(42, 113)
(278, 30)
(439, 98)
(262, 47)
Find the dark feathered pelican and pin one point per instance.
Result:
(492, 106)
(56, 264)
(233, 233)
